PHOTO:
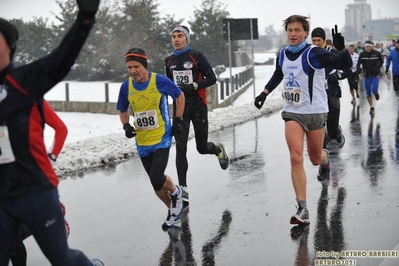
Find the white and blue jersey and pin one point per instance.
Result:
(301, 96)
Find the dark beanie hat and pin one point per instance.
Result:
(10, 34)
(137, 54)
(319, 32)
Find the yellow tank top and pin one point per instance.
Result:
(148, 120)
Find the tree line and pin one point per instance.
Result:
(121, 25)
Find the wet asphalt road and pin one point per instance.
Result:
(241, 216)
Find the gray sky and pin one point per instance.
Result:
(322, 13)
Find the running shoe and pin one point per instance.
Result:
(372, 110)
(340, 139)
(171, 221)
(176, 208)
(377, 96)
(97, 262)
(176, 205)
(222, 157)
(185, 197)
(301, 216)
(324, 171)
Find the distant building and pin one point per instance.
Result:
(356, 16)
(359, 25)
(381, 29)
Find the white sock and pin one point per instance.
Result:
(174, 193)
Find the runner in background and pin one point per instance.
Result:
(353, 76)
(393, 58)
(369, 65)
(191, 71)
(333, 90)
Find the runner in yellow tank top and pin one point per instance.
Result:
(147, 94)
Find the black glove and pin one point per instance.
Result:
(188, 89)
(260, 100)
(130, 132)
(333, 77)
(88, 8)
(338, 39)
(177, 126)
(387, 71)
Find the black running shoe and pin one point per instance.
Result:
(324, 171)
(222, 157)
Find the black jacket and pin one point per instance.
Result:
(202, 71)
(21, 114)
(371, 63)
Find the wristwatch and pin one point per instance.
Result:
(195, 85)
(52, 156)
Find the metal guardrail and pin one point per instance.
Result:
(227, 91)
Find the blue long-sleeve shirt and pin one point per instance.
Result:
(394, 58)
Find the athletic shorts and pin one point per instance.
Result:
(307, 121)
(148, 150)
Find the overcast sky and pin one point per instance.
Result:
(322, 13)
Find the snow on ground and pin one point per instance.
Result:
(98, 140)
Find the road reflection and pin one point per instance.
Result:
(374, 165)
(244, 161)
(208, 250)
(300, 234)
(329, 237)
(355, 125)
(179, 250)
(395, 152)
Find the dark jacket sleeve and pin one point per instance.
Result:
(276, 78)
(329, 61)
(209, 77)
(43, 74)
